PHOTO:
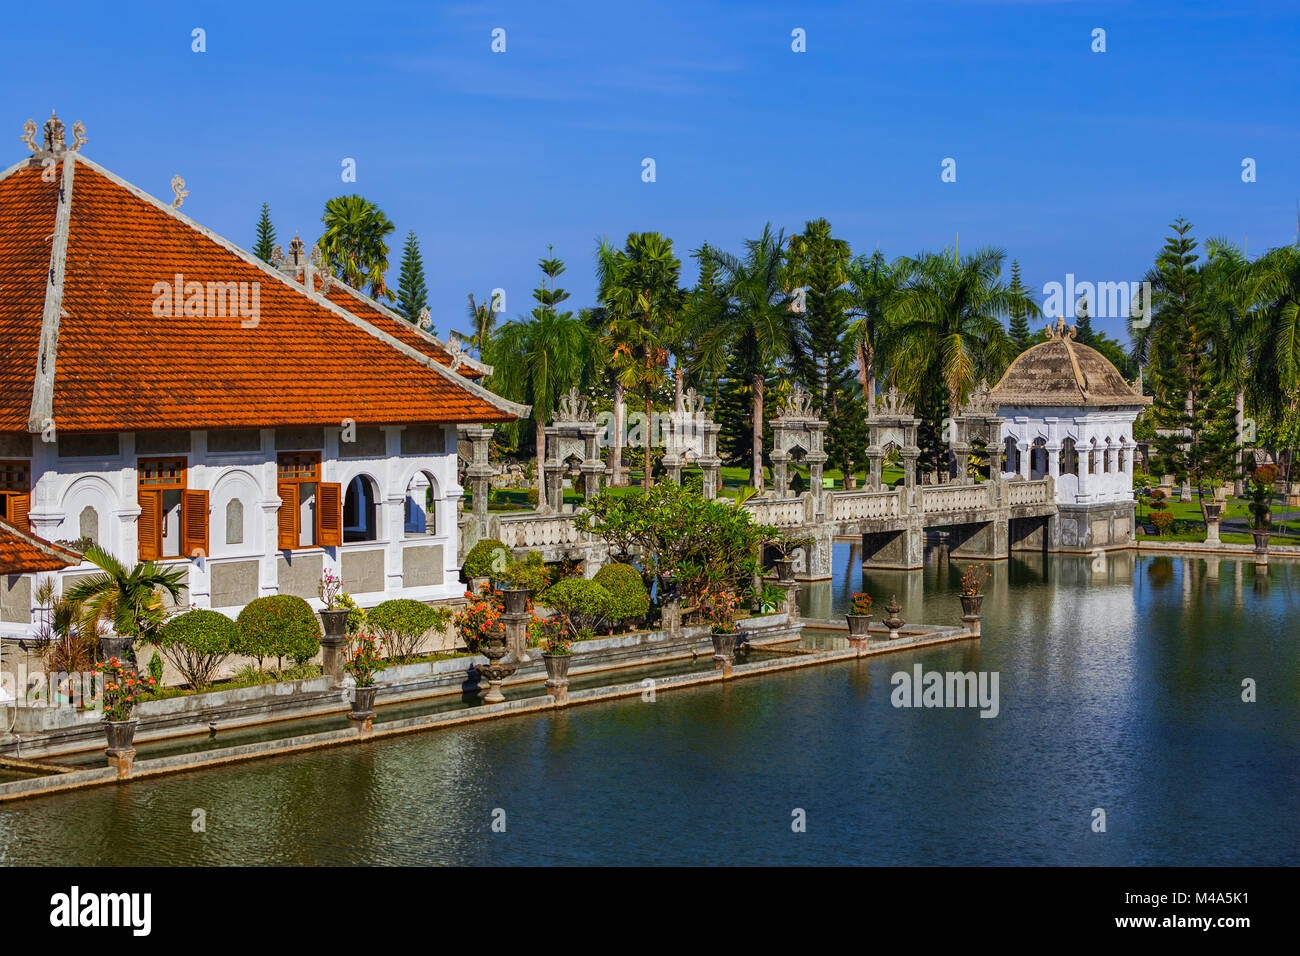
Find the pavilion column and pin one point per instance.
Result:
(1053, 452)
(779, 477)
(1022, 449)
(875, 459)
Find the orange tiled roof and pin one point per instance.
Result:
(118, 366)
(22, 552)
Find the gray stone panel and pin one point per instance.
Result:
(292, 439)
(89, 446)
(371, 442)
(16, 598)
(162, 443)
(299, 574)
(424, 440)
(422, 567)
(234, 584)
(363, 571)
(16, 446)
(232, 440)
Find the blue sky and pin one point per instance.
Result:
(1073, 161)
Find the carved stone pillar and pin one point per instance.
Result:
(875, 460)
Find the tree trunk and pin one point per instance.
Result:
(541, 469)
(616, 451)
(757, 481)
(1238, 481)
(645, 472)
(678, 384)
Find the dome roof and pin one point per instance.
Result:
(1063, 372)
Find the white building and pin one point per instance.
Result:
(1068, 413)
(170, 396)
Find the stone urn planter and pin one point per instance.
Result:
(557, 675)
(784, 569)
(363, 708)
(478, 584)
(1213, 511)
(970, 611)
(1261, 547)
(724, 649)
(114, 645)
(859, 625)
(121, 744)
(334, 624)
(515, 599)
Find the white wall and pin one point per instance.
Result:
(1100, 435)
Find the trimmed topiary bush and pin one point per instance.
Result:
(197, 643)
(582, 604)
(485, 558)
(402, 622)
(627, 590)
(278, 626)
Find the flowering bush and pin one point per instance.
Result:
(553, 634)
(123, 689)
(480, 618)
(1261, 495)
(718, 605)
(861, 603)
(363, 660)
(973, 580)
(1163, 521)
(329, 589)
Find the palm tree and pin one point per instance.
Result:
(873, 283)
(482, 319)
(945, 332)
(1275, 336)
(638, 287)
(353, 245)
(131, 601)
(538, 359)
(752, 320)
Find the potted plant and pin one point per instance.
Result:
(128, 600)
(363, 663)
(334, 616)
(514, 592)
(859, 616)
(719, 608)
(557, 646)
(479, 619)
(1260, 495)
(973, 580)
(122, 689)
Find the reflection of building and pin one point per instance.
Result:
(172, 397)
(1068, 413)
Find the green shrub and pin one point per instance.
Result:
(630, 599)
(356, 614)
(197, 643)
(583, 604)
(485, 558)
(1163, 521)
(156, 669)
(402, 622)
(278, 626)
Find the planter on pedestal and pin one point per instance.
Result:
(893, 622)
(363, 708)
(724, 649)
(334, 624)
(516, 608)
(970, 611)
(557, 675)
(1213, 514)
(476, 585)
(784, 569)
(114, 645)
(1261, 547)
(121, 744)
(859, 625)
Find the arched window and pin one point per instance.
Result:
(1069, 463)
(1109, 454)
(88, 524)
(359, 522)
(1011, 455)
(421, 506)
(234, 521)
(1038, 459)
(1123, 456)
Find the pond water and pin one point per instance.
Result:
(1119, 689)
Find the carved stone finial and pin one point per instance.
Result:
(894, 403)
(54, 142)
(1060, 330)
(798, 405)
(277, 256)
(178, 187)
(297, 252)
(78, 136)
(979, 403)
(30, 130)
(691, 401)
(425, 321)
(574, 408)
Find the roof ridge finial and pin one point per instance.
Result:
(54, 142)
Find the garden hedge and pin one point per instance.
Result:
(630, 599)
(481, 558)
(197, 643)
(405, 616)
(278, 626)
(584, 604)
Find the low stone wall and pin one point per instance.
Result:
(53, 730)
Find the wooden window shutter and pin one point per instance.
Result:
(19, 506)
(150, 525)
(288, 516)
(194, 523)
(329, 514)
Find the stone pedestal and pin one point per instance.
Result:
(789, 599)
(1212, 531)
(123, 761)
(671, 617)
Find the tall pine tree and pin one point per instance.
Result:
(265, 235)
(412, 293)
(1083, 323)
(1018, 327)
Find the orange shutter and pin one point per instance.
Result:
(19, 505)
(329, 514)
(194, 523)
(288, 517)
(150, 525)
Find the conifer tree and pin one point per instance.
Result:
(412, 293)
(265, 235)
(1018, 327)
(1083, 323)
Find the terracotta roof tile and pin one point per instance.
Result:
(22, 552)
(120, 366)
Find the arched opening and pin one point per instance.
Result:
(1010, 456)
(1108, 459)
(421, 506)
(1069, 460)
(234, 521)
(1123, 457)
(359, 513)
(88, 524)
(1038, 459)
(1094, 458)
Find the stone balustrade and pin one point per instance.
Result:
(860, 505)
(534, 530)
